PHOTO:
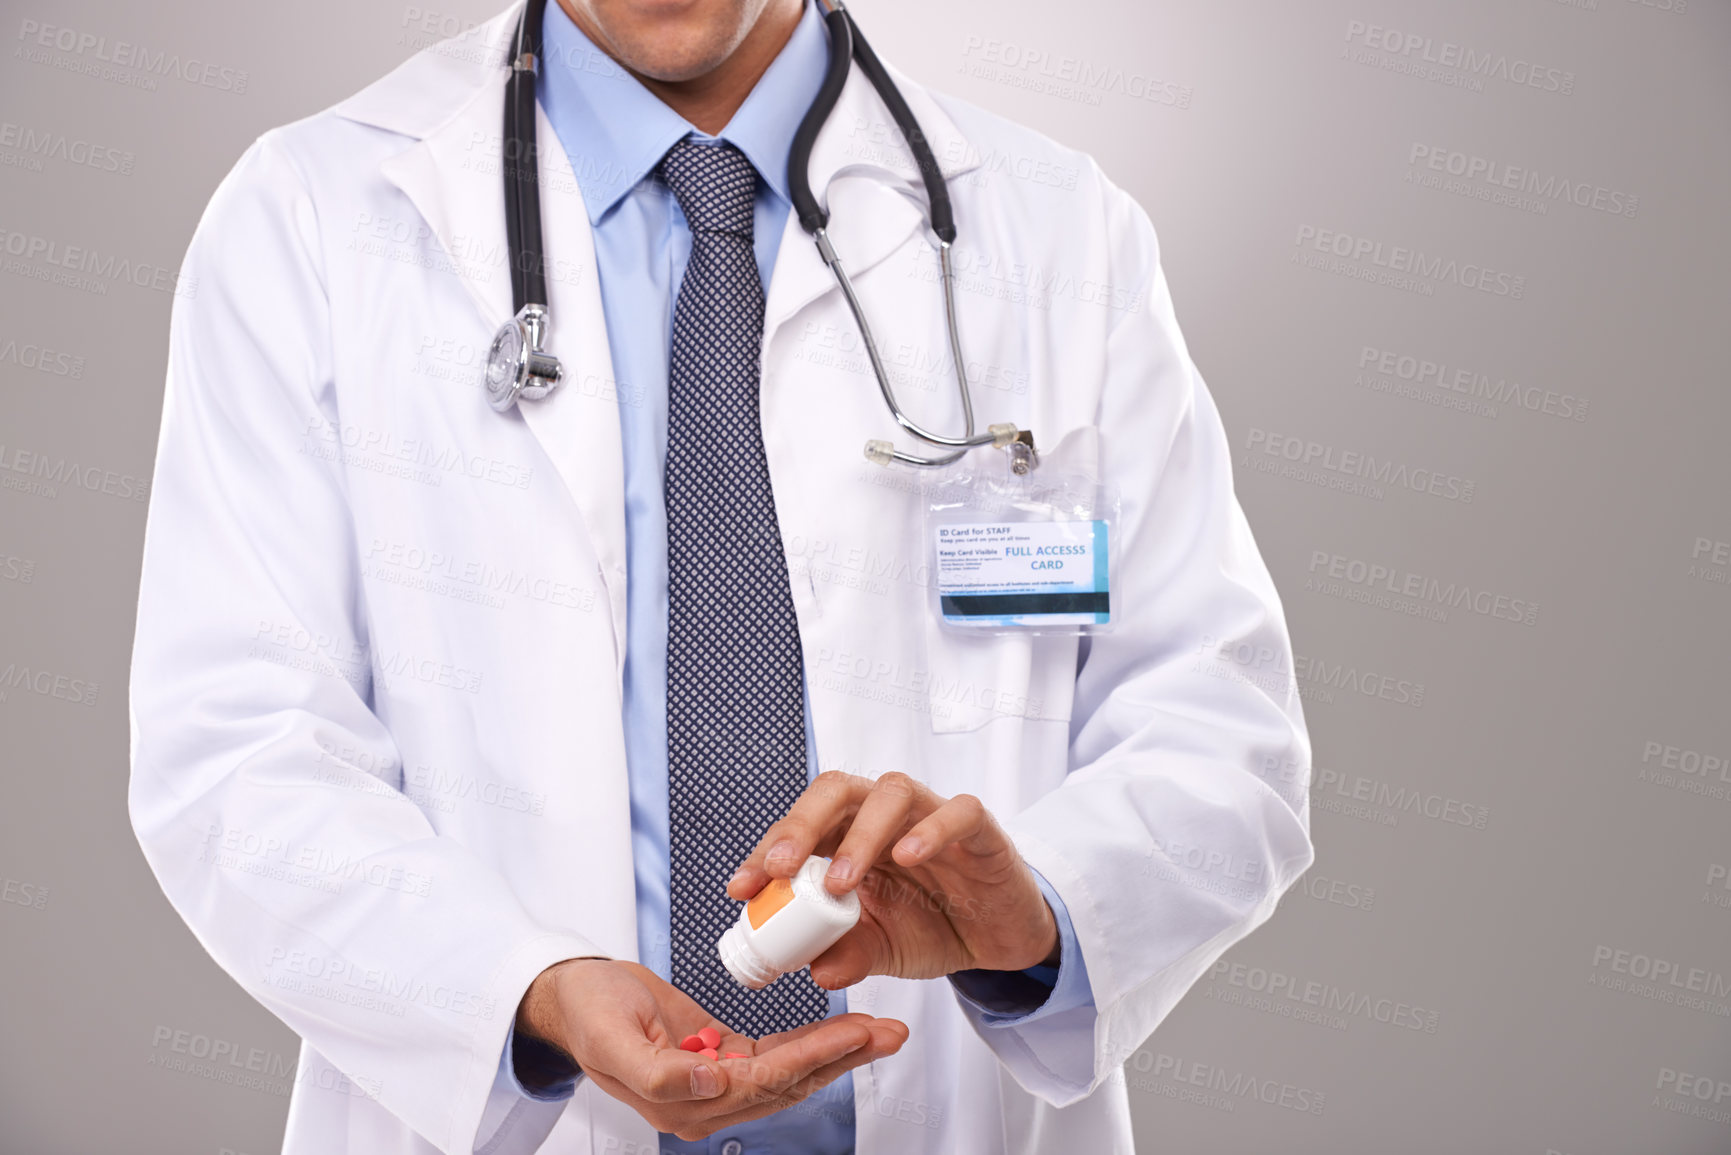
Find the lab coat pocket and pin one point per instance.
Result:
(976, 679)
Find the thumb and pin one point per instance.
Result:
(851, 959)
(619, 1048)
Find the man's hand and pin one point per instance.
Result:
(622, 1024)
(941, 885)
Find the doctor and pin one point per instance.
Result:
(450, 728)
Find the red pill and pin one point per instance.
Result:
(691, 1043)
(736, 1055)
(710, 1036)
(709, 1053)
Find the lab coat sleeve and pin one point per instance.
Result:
(1184, 815)
(265, 792)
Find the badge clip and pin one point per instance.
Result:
(1020, 447)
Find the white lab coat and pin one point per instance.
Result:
(377, 751)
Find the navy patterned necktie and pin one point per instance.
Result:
(736, 755)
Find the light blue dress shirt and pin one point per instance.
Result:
(615, 131)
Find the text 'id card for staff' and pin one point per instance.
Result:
(1023, 573)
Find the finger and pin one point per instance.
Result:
(888, 1036)
(655, 1073)
(896, 801)
(771, 1069)
(762, 1087)
(963, 819)
(850, 959)
(684, 1017)
(715, 1117)
(761, 1084)
(830, 798)
(773, 1076)
(770, 1041)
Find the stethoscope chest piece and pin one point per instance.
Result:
(517, 366)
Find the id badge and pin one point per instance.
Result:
(1016, 554)
(1023, 573)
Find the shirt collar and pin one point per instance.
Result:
(616, 131)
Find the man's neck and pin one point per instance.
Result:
(709, 101)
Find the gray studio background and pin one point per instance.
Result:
(1502, 277)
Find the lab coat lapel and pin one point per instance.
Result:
(457, 188)
(578, 423)
(859, 167)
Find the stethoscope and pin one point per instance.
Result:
(518, 366)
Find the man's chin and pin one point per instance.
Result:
(671, 40)
(673, 63)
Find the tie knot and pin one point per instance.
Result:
(714, 184)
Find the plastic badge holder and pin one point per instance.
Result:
(1021, 554)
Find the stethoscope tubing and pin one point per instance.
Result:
(846, 48)
(520, 163)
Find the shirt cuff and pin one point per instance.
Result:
(553, 1073)
(1015, 998)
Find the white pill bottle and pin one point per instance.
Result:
(785, 925)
